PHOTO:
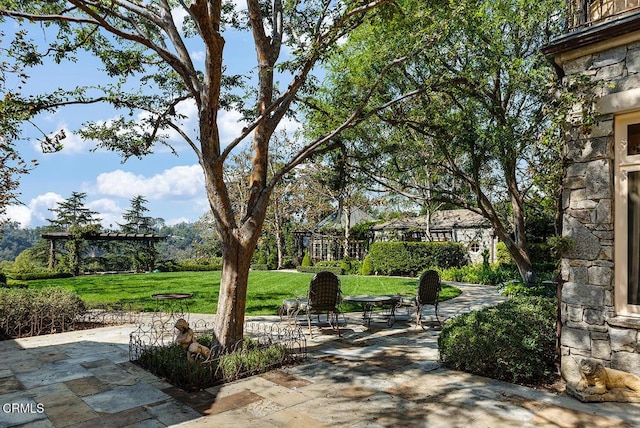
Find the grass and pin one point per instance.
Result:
(267, 289)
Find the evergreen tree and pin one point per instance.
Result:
(142, 253)
(80, 222)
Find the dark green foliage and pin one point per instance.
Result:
(14, 284)
(16, 239)
(541, 252)
(272, 260)
(249, 358)
(3, 279)
(30, 312)
(215, 263)
(259, 267)
(409, 258)
(288, 263)
(345, 265)
(316, 269)
(41, 275)
(514, 341)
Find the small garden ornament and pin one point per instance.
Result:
(599, 383)
(186, 338)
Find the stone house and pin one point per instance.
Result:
(464, 226)
(326, 240)
(600, 299)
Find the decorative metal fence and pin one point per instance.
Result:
(265, 346)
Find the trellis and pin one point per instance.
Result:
(149, 238)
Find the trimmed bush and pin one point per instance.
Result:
(215, 263)
(410, 258)
(306, 260)
(30, 312)
(329, 263)
(514, 341)
(316, 269)
(367, 266)
(41, 275)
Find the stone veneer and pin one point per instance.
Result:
(590, 326)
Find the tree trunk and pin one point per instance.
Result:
(229, 321)
(347, 232)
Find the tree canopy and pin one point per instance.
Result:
(474, 127)
(150, 70)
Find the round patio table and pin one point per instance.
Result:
(368, 302)
(174, 303)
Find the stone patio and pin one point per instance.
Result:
(389, 376)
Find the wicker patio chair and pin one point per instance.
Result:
(428, 293)
(324, 297)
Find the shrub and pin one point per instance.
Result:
(41, 275)
(329, 263)
(367, 266)
(409, 258)
(345, 264)
(3, 279)
(272, 260)
(316, 269)
(30, 312)
(517, 288)
(306, 260)
(478, 273)
(259, 267)
(514, 341)
(287, 263)
(502, 254)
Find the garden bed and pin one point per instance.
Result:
(265, 347)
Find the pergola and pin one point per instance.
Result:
(148, 238)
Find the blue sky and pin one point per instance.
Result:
(173, 185)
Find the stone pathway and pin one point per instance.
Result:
(379, 378)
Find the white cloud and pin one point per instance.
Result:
(41, 204)
(197, 55)
(179, 181)
(109, 212)
(104, 205)
(178, 220)
(230, 126)
(18, 213)
(36, 211)
(71, 144)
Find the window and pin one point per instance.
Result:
(474, 247)
(627, 214)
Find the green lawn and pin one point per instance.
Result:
(267, 289)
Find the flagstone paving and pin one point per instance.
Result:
(383, 377)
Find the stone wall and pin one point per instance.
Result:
(590, 327)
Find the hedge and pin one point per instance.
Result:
(41, 275)
(316, 269)
(514, 341)
(410, 258)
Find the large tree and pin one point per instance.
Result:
(74, 217)
(142, 253)
(141, 46)
(472, 133)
